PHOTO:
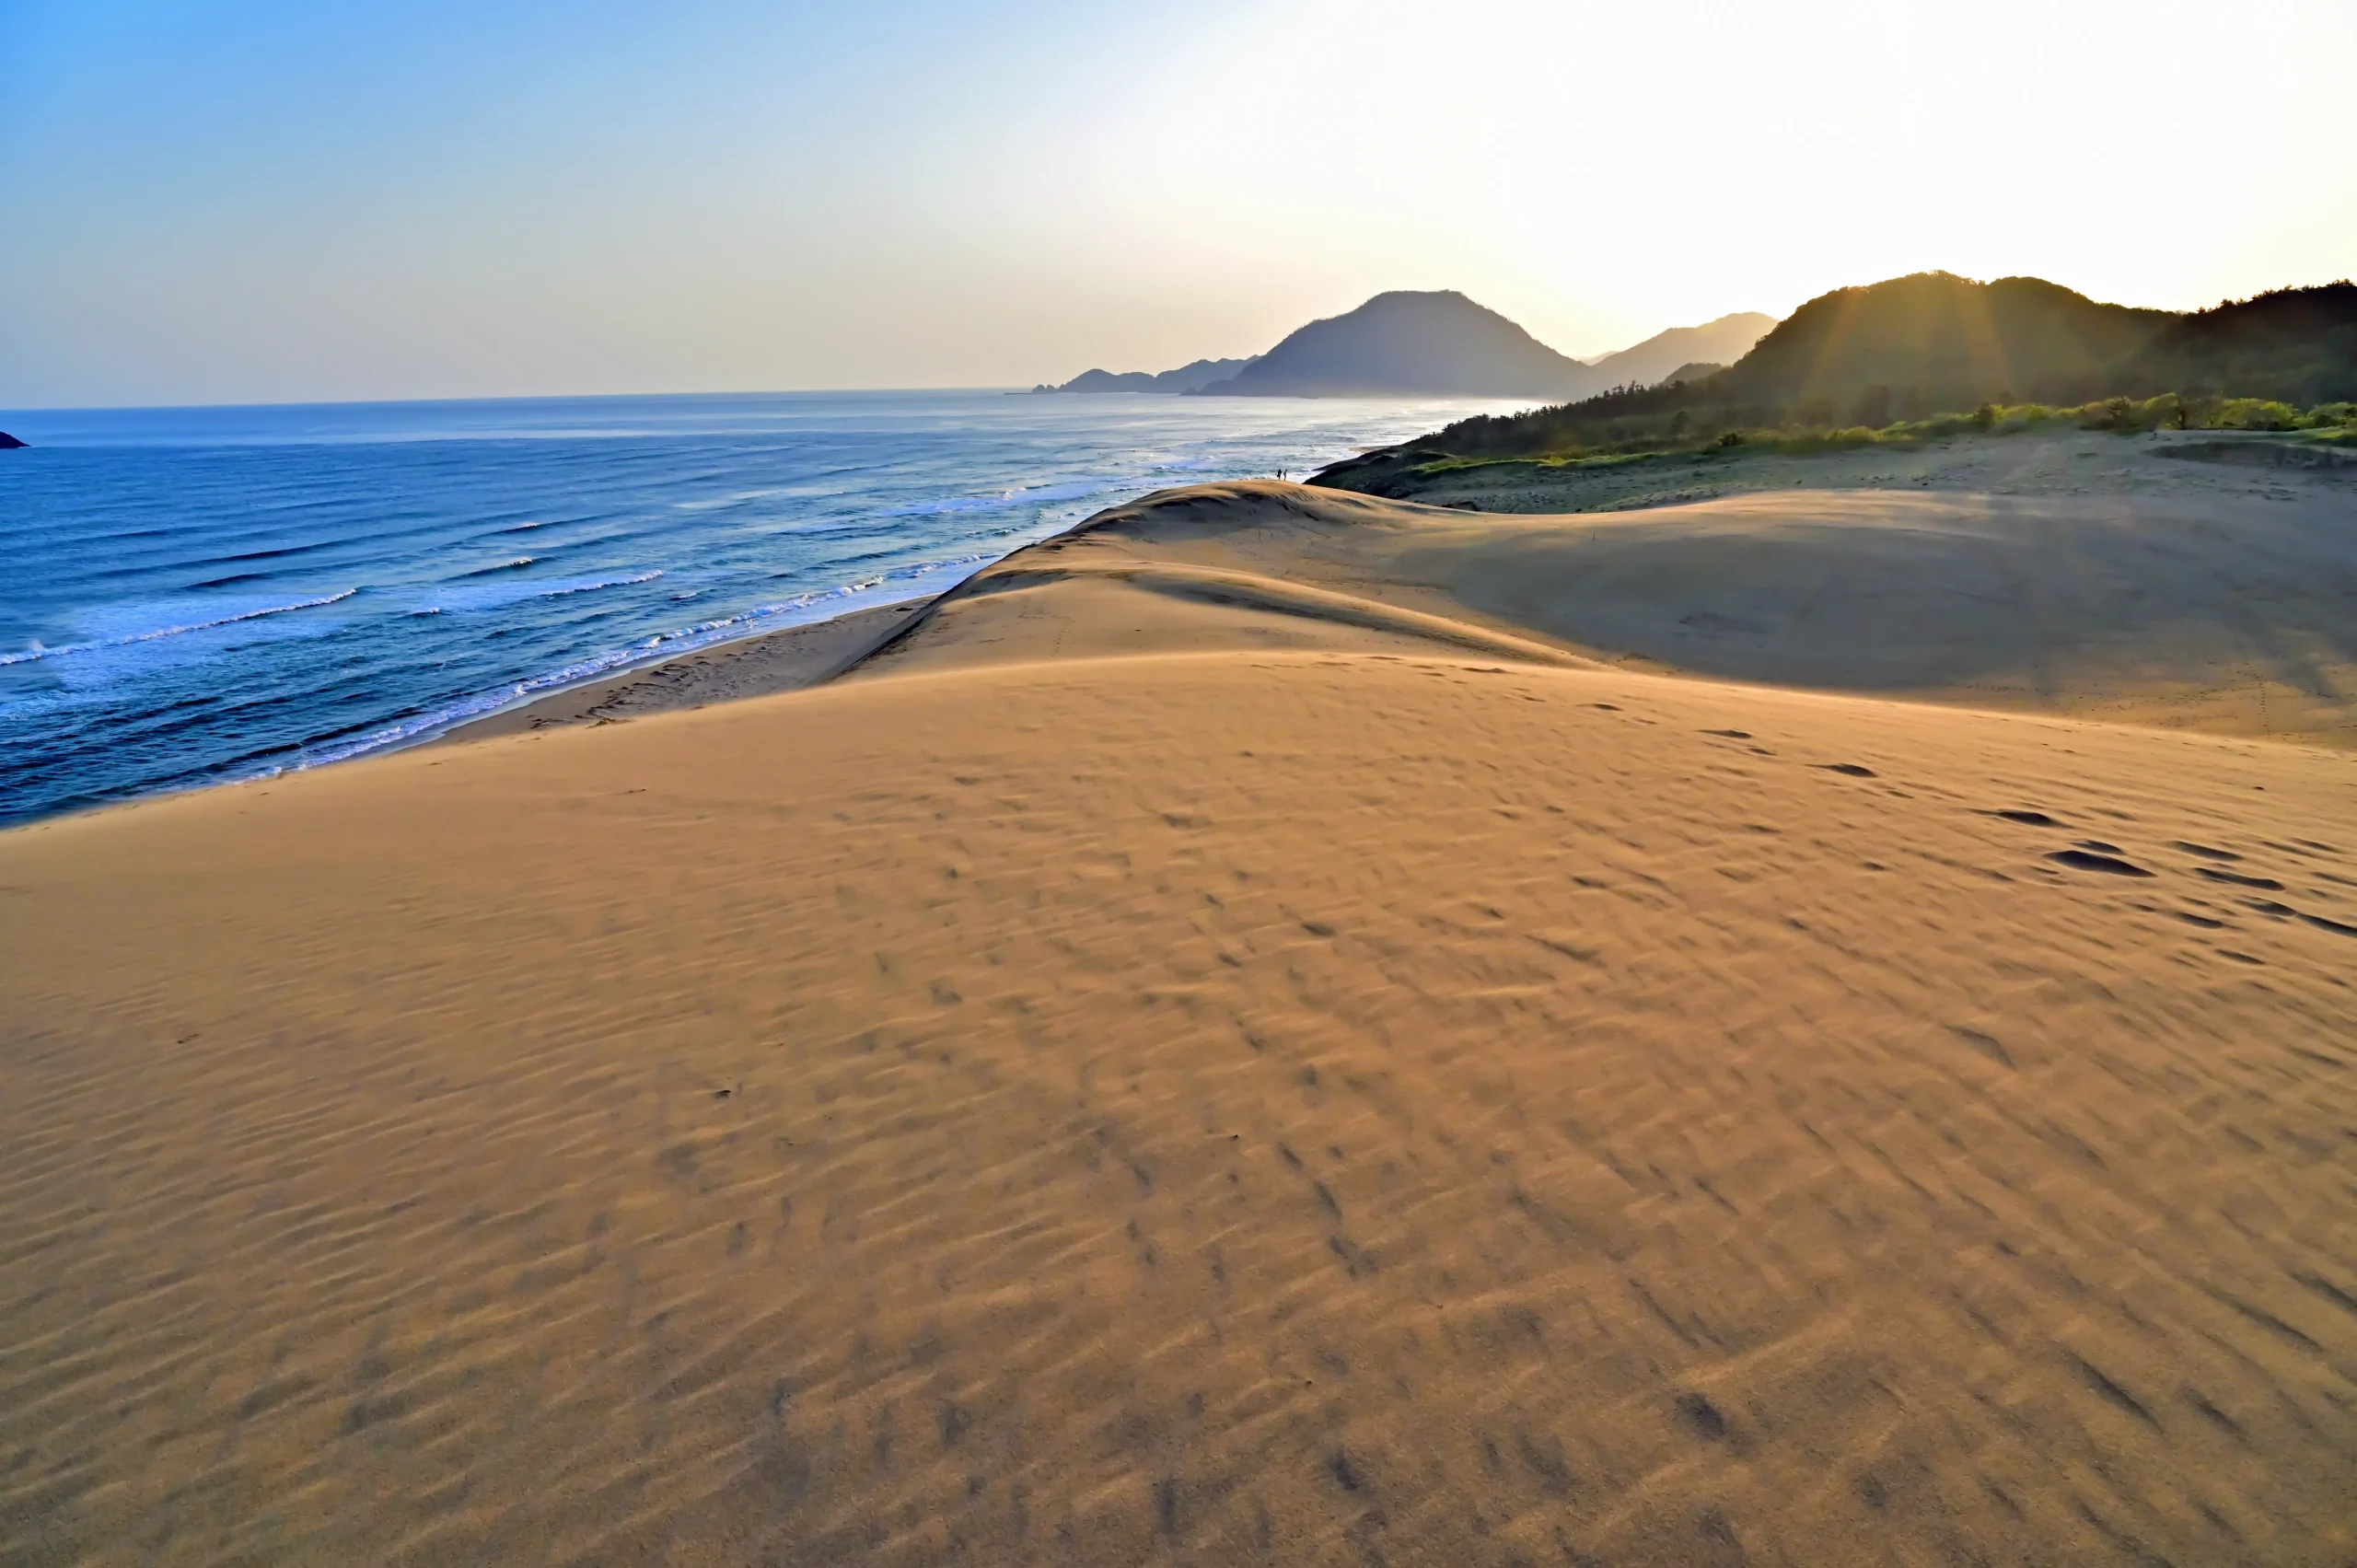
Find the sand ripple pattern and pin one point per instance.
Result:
(1263, 1108)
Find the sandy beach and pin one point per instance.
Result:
(765, 666)
(1811, 1025)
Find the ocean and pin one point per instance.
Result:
(199, 594)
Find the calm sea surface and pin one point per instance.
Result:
(195, 595)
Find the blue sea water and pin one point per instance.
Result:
(189, 596)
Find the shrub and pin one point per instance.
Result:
(2255, 413)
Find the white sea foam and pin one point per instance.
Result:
(38, 651)
(516, 590)
(1021, 495)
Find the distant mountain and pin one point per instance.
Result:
(10, 443)
(1186, 379)
(1438, 344)
(1667, 356)
(1933, 340)
(1696, 372)
(1421, 343)
(2298, 344)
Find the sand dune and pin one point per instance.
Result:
(1242, 1038)
(2229, 616)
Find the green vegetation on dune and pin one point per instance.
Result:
(1475, 443)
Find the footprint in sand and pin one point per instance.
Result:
(2266, 884)
(2089, 860)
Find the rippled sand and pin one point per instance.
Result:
(1224, 1044)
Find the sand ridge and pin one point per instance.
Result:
(1107, 1084)
(2225, 615)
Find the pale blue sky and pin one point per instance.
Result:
(245, 200)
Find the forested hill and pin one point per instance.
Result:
(1941, 342)
(2295, 344)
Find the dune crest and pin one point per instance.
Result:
(2227, 615)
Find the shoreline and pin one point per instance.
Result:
(762, 664)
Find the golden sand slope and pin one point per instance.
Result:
(2227, 614)
(1256, 1105)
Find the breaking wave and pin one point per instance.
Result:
(62, 650)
